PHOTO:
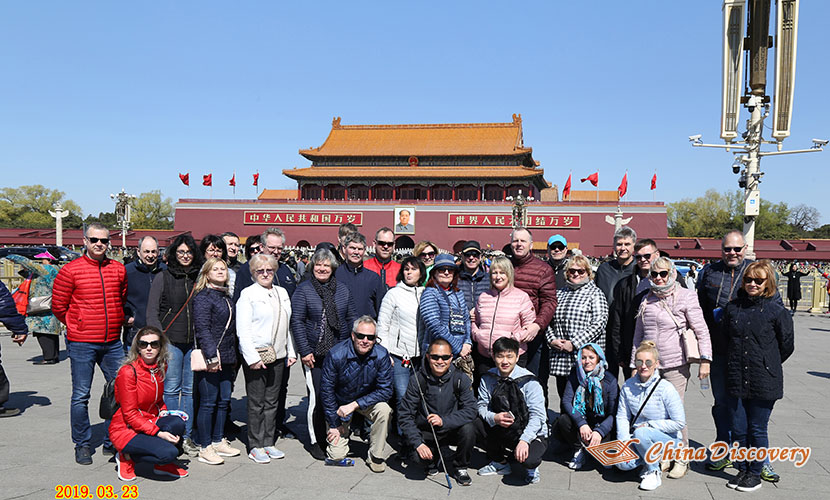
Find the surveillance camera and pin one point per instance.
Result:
(736, 168)
(820, 142)
(694, 138)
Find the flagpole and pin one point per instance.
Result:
(570, 176)
(234, 183)
(653, 191)
(626, 184)
(597, 186)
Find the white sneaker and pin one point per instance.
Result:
(651, 481)
(578, 460)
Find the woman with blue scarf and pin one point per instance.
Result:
(589, 402)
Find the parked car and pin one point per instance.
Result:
(66, 255)
(683, 266)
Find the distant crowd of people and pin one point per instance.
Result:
(437, 350)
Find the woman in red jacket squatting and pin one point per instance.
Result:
(141, 429)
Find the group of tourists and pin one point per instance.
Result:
(441, 350)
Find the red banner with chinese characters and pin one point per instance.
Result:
(562, 221)
(303, 218)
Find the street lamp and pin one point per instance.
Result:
(123, 213)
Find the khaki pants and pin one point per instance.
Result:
(378, 414)
(679, 377)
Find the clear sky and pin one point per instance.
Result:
(99, 96)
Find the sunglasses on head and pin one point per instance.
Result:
(364, 336)
(643, 256)
(143, 344)
(649, 363)
(385, 243)
(93, 239)
(752, 279)
(662, 274)
(442, 357)
(558, 247)
(576, 270)
(732, 249)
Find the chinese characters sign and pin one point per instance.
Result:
(562, 221)
(303, 218)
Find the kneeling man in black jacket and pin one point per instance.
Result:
(448, 404)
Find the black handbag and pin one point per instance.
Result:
(108, 405)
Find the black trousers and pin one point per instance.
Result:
(263, 390)
(281, 412)
(49, 345)
(566, 431)
(4, 385)
(464, 438)
(318, 418)
(499, 447)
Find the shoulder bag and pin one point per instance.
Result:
(268, 354)
(631, 424)
(197, 357)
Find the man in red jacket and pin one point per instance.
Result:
(382, 263)
(88, 297)
(534, 277)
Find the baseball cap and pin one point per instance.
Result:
(471, 245)
(557, 237)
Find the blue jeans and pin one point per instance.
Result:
(756, 413)
(727, 422)
(214, 403)
(153, 449)
(647, 436)
(178, 383)
(83, 356)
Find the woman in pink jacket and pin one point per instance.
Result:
(501, 311)
(666, 311)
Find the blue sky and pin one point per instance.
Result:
(96, 96)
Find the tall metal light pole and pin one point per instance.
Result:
(520, 209)
(123, 213)
(748, 152)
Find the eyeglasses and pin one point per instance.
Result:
(93, 240)
(577, 271)
(732, 249)
(472, 255)
(255, 250)
(183, 253)
(385, 243)
(757, 281)
(643, 256)
(364, 336)
(558, 247)
(264, 272)
(143, 344)
(445, 270)
(638, 363)
(442, 357)
(427, 255)
(662, 274)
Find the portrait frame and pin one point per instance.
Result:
(397, 227)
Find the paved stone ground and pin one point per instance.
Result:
(36, 452)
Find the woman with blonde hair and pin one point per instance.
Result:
(426, 251)
(213, 316)
(580, 317)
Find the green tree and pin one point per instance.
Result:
(709, 216)
(28, 206)
(106, 218)
(152, 211)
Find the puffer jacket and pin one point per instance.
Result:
(534, 399)
(9, 316)
(88, 297)
(449, 396)
(211, 310)
(398, 320)
(760, 339)
(307, 316)
(536, 279)
(139, 389)
(717, 285)
(435, 313)
(602, 424)
(388, 271)
(664, 411)
(169, 292)
(473, 285)
(654, 323)
(501, 314)
(348, 377)
(139, 280)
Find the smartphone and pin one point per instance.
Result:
(511, 415)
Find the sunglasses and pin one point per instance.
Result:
(385, 243)
(442, 357)
(558, 247)
(93, 239)
(662, 274)
(472, 255)
(256, 249)
(264, 272)
(757, 281)
(143, 344)
(427, 255)
(445, 270)
(649, 363)
(732, 249)
(364, 336)
(643, 256)
(577, 271)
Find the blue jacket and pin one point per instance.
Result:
(307, 314)
(139, 279)
(473, 285)
(663, 411)
(211, 308)
(283, 277)
(9, 316)
(534, 399)
(348, 377)
(366, 287)
(435, 314)
(610, 391)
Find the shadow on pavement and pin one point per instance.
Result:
(27, 399)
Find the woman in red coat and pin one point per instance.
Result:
(142, 430)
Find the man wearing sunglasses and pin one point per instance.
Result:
(357, 378)
(273, 243)
(382, 263)
(557, 258)
(448, 396)
(473, 280)
(610, 273)
(88, 297)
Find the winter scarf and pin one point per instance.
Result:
(331, 320)
(590, 384)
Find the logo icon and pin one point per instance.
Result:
(613, 452)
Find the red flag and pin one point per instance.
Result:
(623, 185)
(594, 178)
(185, 179)
(256, 179)
(567, 191)
(232, 182)
(207, 180)
(654, 182)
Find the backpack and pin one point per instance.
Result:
(507, 396)
(109, 405)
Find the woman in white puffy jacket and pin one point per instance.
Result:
(398, 322)
(263, 314)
